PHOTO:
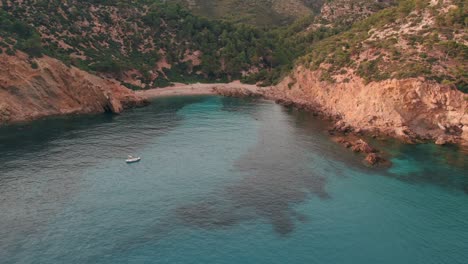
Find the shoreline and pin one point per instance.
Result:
(345, 134)
(371, 156)
(198, 89)
(338, 124)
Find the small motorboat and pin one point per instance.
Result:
(131, 159)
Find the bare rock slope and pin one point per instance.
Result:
(53, 88)
(411, 109)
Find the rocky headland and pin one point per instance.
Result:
(41, 87)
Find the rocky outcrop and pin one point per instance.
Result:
(52, 88)
(362, 146)
(410, 109)
(241, 90)
(373, 157)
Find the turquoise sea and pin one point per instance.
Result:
(225, 181)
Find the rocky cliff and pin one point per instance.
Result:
(400, 72)
(411, 109)
(45, 86)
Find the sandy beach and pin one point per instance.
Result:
(195, 89)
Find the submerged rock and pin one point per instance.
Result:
(444, 140)
(373, 156)
(372, 159)
(375, 159)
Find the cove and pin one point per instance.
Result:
(222, 180)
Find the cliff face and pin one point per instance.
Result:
(410, 109)
(55, 89)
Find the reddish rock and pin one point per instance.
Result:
(444, 140)
(230, 91)
(362, 146)
(56, 89)
(341, 127)
(372, 159)
(375, 159)
(386, 106)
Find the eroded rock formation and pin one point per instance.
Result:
(410, 109)
(52, 88)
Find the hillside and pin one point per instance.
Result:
(276, 13)
(397, 67)
(143, 44)
(401, 72)
(259, 13)
(414, 39)
(148, 43)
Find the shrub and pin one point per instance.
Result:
(10, 52)
(34, 65)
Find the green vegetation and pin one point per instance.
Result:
(18, 35)
(158, 42)
(262, 13)
(226, 49)
(34, 65)
(430, 52)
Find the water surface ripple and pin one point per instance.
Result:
(222, 180)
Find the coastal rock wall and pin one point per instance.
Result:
(31, 89)
(410, 109)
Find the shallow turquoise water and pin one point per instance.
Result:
(222, 180)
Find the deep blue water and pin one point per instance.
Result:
(222, 180)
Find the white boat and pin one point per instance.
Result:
(132, 159)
